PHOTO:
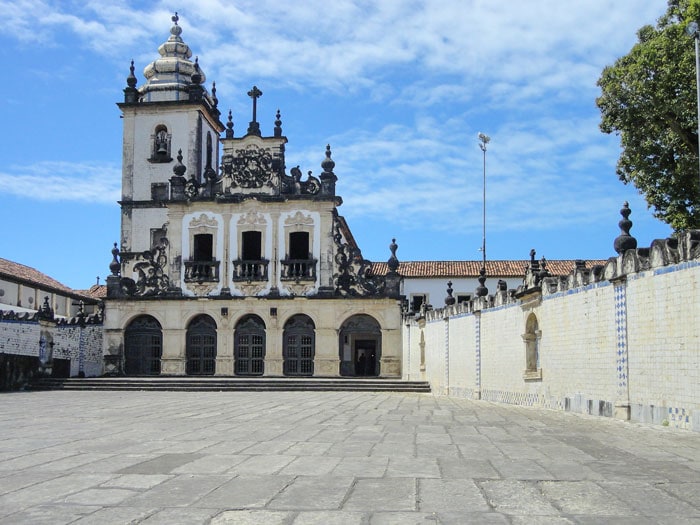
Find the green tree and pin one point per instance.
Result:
(649, 99)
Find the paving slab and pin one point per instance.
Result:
(355, 458)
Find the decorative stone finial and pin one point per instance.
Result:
(328, 164)
(278, 124)
(213, 94)
(625, 241)
(131, 79)
(229, 126)
(176, 30)
(481, 290)
(115, 266)
(179, 169)
(131, 94)
(449, 300)
(393, 262)
(45, 311)
(197, 75)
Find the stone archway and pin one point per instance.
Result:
(299, 346)
(360, 346)
(143, 347)
(249, 347)
(200, 348)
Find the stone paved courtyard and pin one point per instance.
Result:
(332, 458)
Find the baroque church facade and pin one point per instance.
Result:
(227, 264)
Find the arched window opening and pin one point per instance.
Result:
(249, 347)
(160, 151)
(200, 349)
(143, 347)
(299, 346)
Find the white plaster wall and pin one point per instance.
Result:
(436, 288)
(502, 352)
(579, 343)
(144, 220)
(10, 292)
(145, 172)
(663, 313)
(462, 361)
(20, 338)
(579, 349)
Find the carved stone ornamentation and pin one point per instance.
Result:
(293, 185)
(352, 275)
(252, 218)
(250, 167)
(150, 267)
(299, 219)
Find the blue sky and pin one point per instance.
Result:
(399, 89)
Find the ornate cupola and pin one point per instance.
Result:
(173, 76)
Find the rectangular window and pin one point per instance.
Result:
(203, 247)
(252, 246)
(463, 298)
(299, 245)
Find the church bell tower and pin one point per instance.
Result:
(171, 114)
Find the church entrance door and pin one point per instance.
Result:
(249, 347)
(365, 357)
(360, 347)
(200, 349)
(299, 346)
(143, 347)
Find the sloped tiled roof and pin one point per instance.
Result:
(13, 271)
(96, 291)
(512, 268)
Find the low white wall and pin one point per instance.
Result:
(624, 342)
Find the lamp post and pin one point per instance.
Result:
(481, 290)
(483, 141)
(692, 30)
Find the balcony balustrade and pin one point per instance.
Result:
(202, 271)
(299, 269)
(250, 270)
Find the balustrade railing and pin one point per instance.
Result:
(299, 269)
(201, 271)
(250, 270)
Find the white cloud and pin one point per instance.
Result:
(63, 181)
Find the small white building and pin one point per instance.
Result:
(427, 282)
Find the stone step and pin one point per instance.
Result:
(211, 384)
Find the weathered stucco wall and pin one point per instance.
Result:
(27, 335)
(620, 340)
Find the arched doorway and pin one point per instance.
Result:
(200, 349)
(299, 346)
(143, 347)
(249, 347)
(360, 346)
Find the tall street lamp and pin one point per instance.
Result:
(692, 30)
(481, 289)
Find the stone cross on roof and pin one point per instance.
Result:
(254, 127)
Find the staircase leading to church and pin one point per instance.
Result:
(232, 384)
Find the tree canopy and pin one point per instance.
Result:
(649, 99)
